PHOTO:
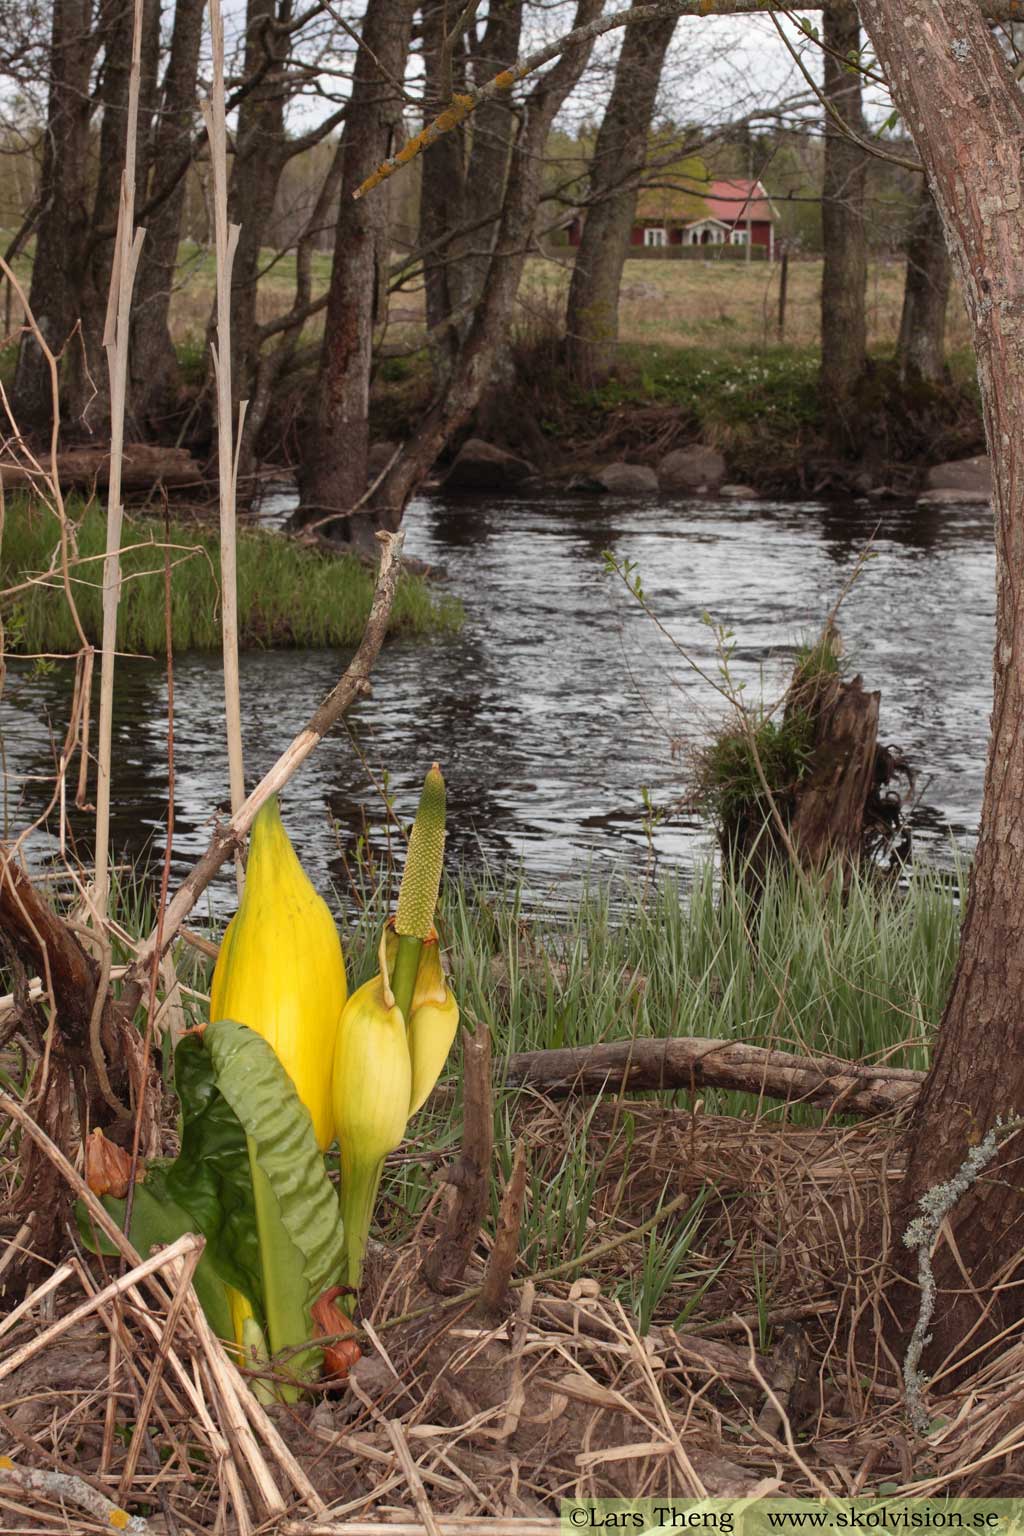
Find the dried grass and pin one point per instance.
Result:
(456, 1421)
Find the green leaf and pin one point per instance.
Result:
(160, 1220)
(260, 1092)
(210, 1176)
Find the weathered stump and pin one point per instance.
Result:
(834, 805)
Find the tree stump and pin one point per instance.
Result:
(835, 805)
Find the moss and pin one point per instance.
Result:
(728, 783)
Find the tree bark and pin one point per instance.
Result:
(620, 153)
(844, 273)
(86, 381)
(63, 226)
(260, 155)
(333, 469)
(153, 361)
(964, 109)
(921, 349)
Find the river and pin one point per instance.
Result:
(560, 704)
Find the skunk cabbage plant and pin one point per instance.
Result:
(285, 1065)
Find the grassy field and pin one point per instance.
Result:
(287, 595)
(724, 304)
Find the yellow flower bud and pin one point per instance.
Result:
(372, 1084)
(280, 969)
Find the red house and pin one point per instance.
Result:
(731, 211)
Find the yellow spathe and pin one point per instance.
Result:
(280, 968)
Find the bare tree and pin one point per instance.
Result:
(333, 469)
(161, 200)
(63, 225)
(455, 404)
(844, 274)
(464, 175)
(620, 154)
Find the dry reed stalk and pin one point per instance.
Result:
(353, 684)
(448, 1525)
(226, 242)
(127, 248)
(164, 1259)
(183, 1271)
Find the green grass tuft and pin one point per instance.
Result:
(287, 595)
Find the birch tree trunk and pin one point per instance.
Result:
(844, 274)
(921, 349)
(964, 109)
(620, 153)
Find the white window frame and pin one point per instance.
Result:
(740, 237)
(655, 237)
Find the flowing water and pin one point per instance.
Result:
(560, 706)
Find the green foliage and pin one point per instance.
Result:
(861, 975)
(288, 595)
(156, 1218)
(776, 385)
(210, 1176)
(727, 781)
(238, 1102)
(260, 1092)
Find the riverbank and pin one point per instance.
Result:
(655, 1247)
(760, 409)
(288, 595)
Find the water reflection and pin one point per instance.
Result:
(559, 701)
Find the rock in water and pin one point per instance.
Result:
(480, 466)
(696, 468)
(627, 479)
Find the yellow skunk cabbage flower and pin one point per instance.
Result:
(433, 1020)
(372, 1087)
(395, 1032)
(280, 968)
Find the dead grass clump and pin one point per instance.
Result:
(749, 1377)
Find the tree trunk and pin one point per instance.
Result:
(921, 349)
(844, 274)
(620, 154)
(964, 109)
(152, 358)
(63, 226)
(260, 154)
(87, 386)
(464, 177)
(333, 470)
(455, 405)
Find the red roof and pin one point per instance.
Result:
(735, 201)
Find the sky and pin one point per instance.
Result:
(718, 68)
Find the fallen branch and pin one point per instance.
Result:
(145, 465)
(686, 1062)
